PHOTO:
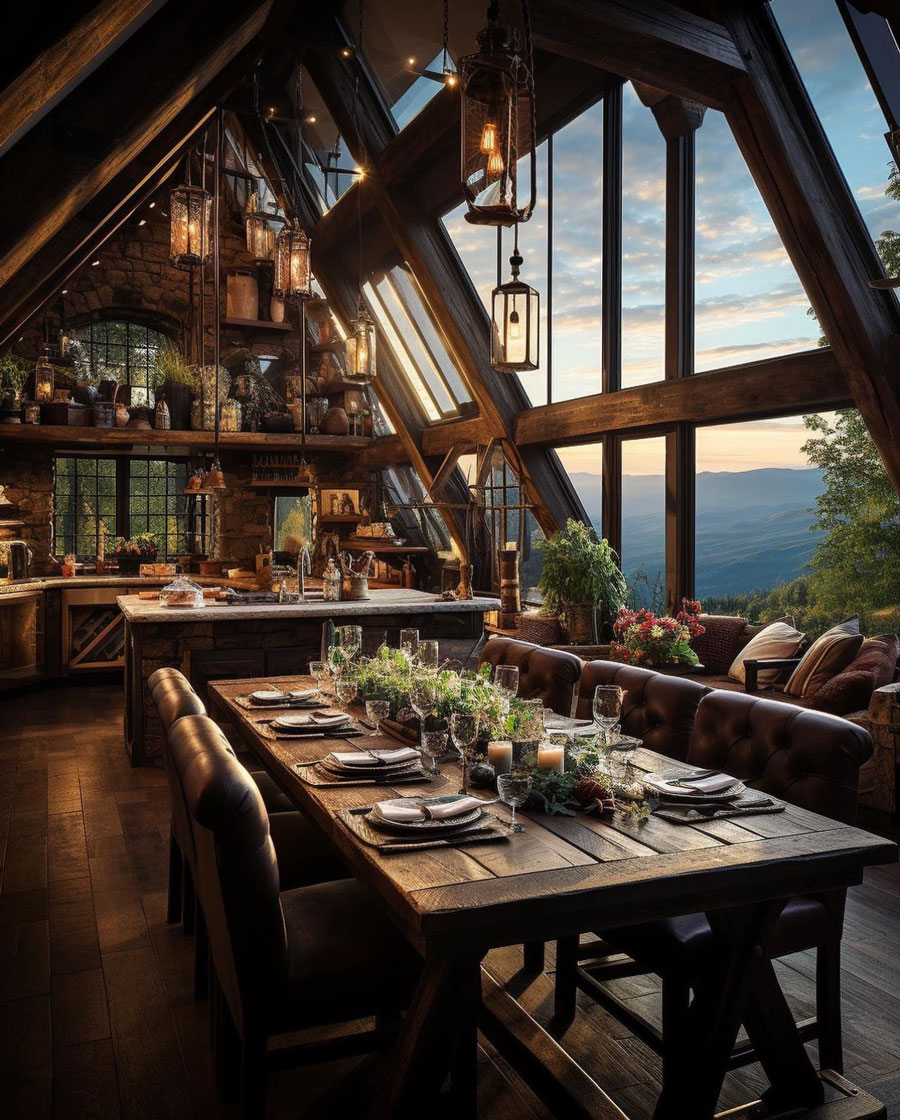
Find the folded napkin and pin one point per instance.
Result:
(714, 783)
(407, 810)
(329, 719)
(386, 758)
(271, 695)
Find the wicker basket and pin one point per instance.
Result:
(579, 625)
(541, 629)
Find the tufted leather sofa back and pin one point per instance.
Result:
(174, 697)
(550, 675)
(657, 708)
(237, 868)
(808, 758)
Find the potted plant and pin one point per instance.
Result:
(175, 380)
(580, 573)
(657, 643)
(131, 552)
(14, 373)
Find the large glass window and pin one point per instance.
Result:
(122, 350)
(749, 302)
(644, 521)
(583, 466)
(157, 503)
(84, 505)
(643, 243)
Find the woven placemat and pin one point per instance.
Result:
(244, 701)
(479, 833)
(689, 815)
(268, 732)
(310, 773)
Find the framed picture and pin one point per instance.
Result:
(338, 502)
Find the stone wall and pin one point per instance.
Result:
(244, 515)
(28, 479)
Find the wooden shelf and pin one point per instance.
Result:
(274, 485)
(336, 347)
(257, 325)
(388, 549)
(64, 436)
(332, 388)
(343, 518)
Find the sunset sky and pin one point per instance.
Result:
(750, 304)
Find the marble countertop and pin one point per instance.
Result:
(42, 583)
(383, 602)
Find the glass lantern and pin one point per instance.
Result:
(44, 378)
(190, 209)
(515, 316)
(260, 238)
(292, 278)
(497, 128)
(360, 346)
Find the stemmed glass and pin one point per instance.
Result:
(434, 746)
(319, 670)
(345, 689)
(376, 711)
(607, 708)
(350, 640)
(409, 644)
(464, 733)
(428, 653)
(506, 680)
(514, 789)
(422, 695)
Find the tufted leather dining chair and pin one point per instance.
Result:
(285, 960)
(806, 758)
(658, 709)
(550, 675)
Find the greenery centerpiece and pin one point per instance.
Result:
(643, 639)
(175, 379)
(14, 372)
(580, 572)
(131, 552)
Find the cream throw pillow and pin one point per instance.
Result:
(779, 639)
(826, 657)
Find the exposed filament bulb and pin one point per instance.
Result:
(489, 137)
(514, 328)
(495, 164)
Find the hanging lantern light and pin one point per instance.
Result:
(359, 348)
(260, 237)
(498, 124)
(515, 315)
(293, 279)
(189, 217)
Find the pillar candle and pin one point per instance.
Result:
(551, 756)
(500, 755)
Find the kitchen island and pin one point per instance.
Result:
(221, 641)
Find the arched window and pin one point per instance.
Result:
(121, 348)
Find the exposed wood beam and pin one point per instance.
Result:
(59, 68)
(681, 469)
(818, 220)
(67, 159)
(645, 39)
(805, 382)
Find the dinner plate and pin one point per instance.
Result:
(448, 825)
(269, 696)
(385, 771)
(728, 794)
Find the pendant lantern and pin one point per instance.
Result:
(498, 125)
(360, 346)
(515, 317)
(189, 220)
(293, 279)
(260, 238)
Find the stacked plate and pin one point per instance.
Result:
(376, 766)
(427, 817)
(313, 724)
(700, 787)
(275, 698)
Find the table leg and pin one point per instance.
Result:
(437, 1034)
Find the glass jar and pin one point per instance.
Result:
(44, 378)
(203, 415)
(183, 593)
(32, 412)
(230, 416)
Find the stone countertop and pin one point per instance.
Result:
(383, 602)
(44, 583)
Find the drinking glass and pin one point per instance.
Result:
(409, 643)
(464, 733)
(422, 695)
(376, 711)
(350, 640)
(514, 789)
(506, 680)
(345, 689)
(320, 671)
(434, 747)
(607, 708)
(428, 653)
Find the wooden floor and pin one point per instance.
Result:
(96, 1013)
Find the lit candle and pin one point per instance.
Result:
(551, 756)
(500, 755)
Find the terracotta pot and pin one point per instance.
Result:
(122, 415)
(336, 422)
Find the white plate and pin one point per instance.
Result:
(304, 721)
(269, 696)
(728, 794)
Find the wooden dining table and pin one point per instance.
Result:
(565, 875)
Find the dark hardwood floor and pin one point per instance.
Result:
(97, 1018)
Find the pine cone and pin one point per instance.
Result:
(589, 789)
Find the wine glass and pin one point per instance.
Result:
(409, 643)
(422, 695)
(320, 671)
(350, 640)
(506, 680)
(464, 733)
(607, 708)
(376, 711)
(428, 653)
(514, 789)
(345, 689)
(434, 747)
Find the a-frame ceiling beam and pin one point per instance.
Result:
(59, 68)
(650, 40)
(805, 382)
(817, 217)
(79, 147)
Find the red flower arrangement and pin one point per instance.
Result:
(645, 640)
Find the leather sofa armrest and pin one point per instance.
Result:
(753, 665)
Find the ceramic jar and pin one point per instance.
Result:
(241, 295)
(122, 415)
(336, 422)
(276, 309)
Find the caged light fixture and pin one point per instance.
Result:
(189, 214)
(515, 317)
(497, 123)
(260, 237)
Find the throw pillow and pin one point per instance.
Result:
(779, 639)
(829, 655)
(717, 646)
(852, 690)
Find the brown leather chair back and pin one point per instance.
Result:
(237, 869)
(656, 708)
(550, 675)
(174, 698)
(162, 674)
(808, 758)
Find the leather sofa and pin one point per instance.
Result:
(550, 675)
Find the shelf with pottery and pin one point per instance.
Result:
(257, 324)
(65, 435)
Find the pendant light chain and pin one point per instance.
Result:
(217, 279)
(529, 55)
(445, 60)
